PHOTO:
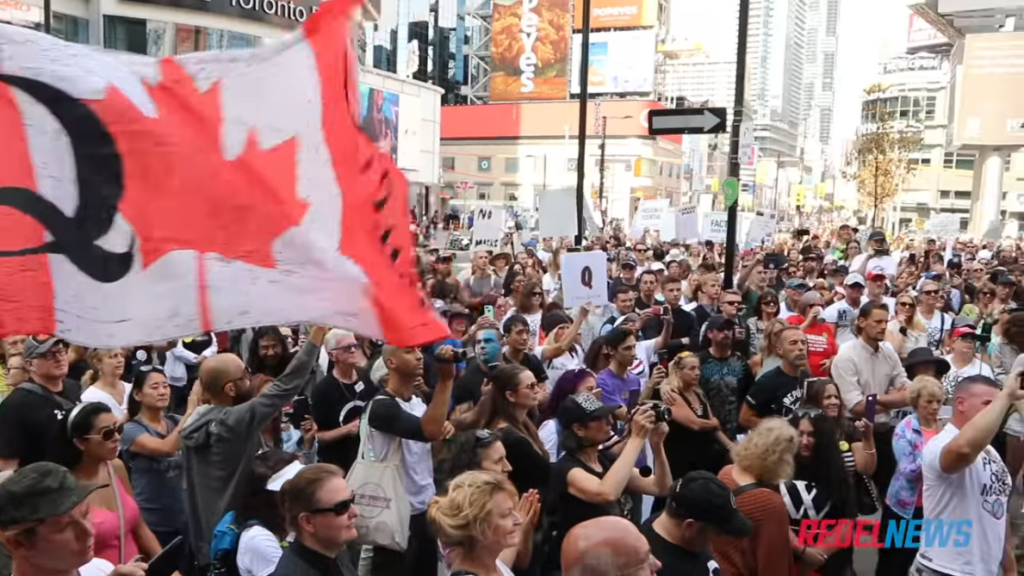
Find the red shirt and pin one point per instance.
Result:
(821, 344)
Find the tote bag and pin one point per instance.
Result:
(379, 493)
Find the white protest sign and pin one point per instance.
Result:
(557, 212)
(762, 228)
(687, 223)
(585, 278)
(943, 226)
(488, 228)
(650, 215)
(713, 226)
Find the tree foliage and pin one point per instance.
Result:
(878, 160)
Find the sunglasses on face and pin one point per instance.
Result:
(905, 304)
(339, 509)
(988, 293)
(537, 294)
(731, 303)
(806, 412)
(108, 434)
(930, 292)
(770, 304)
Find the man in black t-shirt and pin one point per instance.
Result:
(517, 345)
(30, 417)
(627, 277)
(780, 390)
(338, 401)
(699, 507)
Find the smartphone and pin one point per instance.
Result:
(663, 359)
(300, 409)
(489, 311)
(870, 406)
(168, 560)
(912, 258)
(666, 310)
(634, 399)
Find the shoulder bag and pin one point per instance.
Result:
(39, 390)
(379, 493)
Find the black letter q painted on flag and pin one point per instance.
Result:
(100, 186)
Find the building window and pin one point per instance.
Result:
(70, 28)
(159, 39)
(125, 34)
(483, 192)
(901, 108)
(448, 163)
(959, 160)
(511, 193)
(511, 165)
(919, 160)
(945, 194)
(483, 164)
(962, 195)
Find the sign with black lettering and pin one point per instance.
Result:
(584, 278)
(488, 228)
(714, 225)
(287, 13)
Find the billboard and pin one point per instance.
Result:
(620, 62)
(530, 50)
(987, 107)
(378, 116)
(921, 34)
(618, 14)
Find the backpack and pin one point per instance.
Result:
(224, 546)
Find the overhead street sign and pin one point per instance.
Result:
(687, 121)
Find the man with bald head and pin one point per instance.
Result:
(221, 438)
(607, 546)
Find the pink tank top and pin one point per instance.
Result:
(107, 540)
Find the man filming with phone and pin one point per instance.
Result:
(868, 366)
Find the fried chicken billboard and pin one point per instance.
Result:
(530, 42)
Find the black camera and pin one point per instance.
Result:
(458, 355)
(662, 413)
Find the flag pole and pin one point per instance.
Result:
(581, 157)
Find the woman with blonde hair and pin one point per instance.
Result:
(906, 331)
(552, 280)
(761, 461)
(478, 524)
(904, 500)
(768, 359)
(102, 383)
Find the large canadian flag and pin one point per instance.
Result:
(144, 199)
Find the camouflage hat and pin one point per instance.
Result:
(40, 491)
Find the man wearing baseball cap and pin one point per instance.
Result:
(876, 256)
(795, 289)
(963, 361)
(627, 277)
(45, 525)
(699, 507)
(843, 314)
(30, 417)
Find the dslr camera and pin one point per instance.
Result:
(662, 413)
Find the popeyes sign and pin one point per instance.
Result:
(19, 12)
(618, 14)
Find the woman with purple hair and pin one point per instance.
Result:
(569, 383)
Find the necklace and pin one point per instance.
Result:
(695, 405)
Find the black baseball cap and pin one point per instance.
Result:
(40, 491)
(719, 322)
(582, 408)
(876, 235)
(38, 346)
(700, 496)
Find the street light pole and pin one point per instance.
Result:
(581, 157)
(46, 16)
(734, 139)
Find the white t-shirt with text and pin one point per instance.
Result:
(980, 493)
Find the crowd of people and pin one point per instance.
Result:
(688, 425)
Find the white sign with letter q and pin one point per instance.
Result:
(584, 278)
(488, 228)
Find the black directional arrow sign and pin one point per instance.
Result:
(687, 121)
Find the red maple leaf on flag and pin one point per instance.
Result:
(180, 193)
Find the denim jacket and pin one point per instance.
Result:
(907, 446)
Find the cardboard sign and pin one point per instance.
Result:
(762, 229)
(943, 226)
(687, 224)
(488, 228)
(557, 212)
(585, 278)
(650, 214)
(714, 225)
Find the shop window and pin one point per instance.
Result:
(511, 165)
(483, 164)
(448, 162)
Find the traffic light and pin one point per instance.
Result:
(800, 195)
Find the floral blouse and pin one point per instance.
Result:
(907, 444)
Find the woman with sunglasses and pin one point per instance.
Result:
(906, 331)
(569, 383)
(937, 323)
(150, 446)
(318, 509)
(506, 410)
(695, 440)
(765, 310)
(259, 511)
(821, 488)
(90, 448)
(530, 305)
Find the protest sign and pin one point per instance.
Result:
(488, 227)
(714, 225)
(584, 278)
(762, 228)
(557, 212)
(943, 226)
(650, 215)
(687, 224)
